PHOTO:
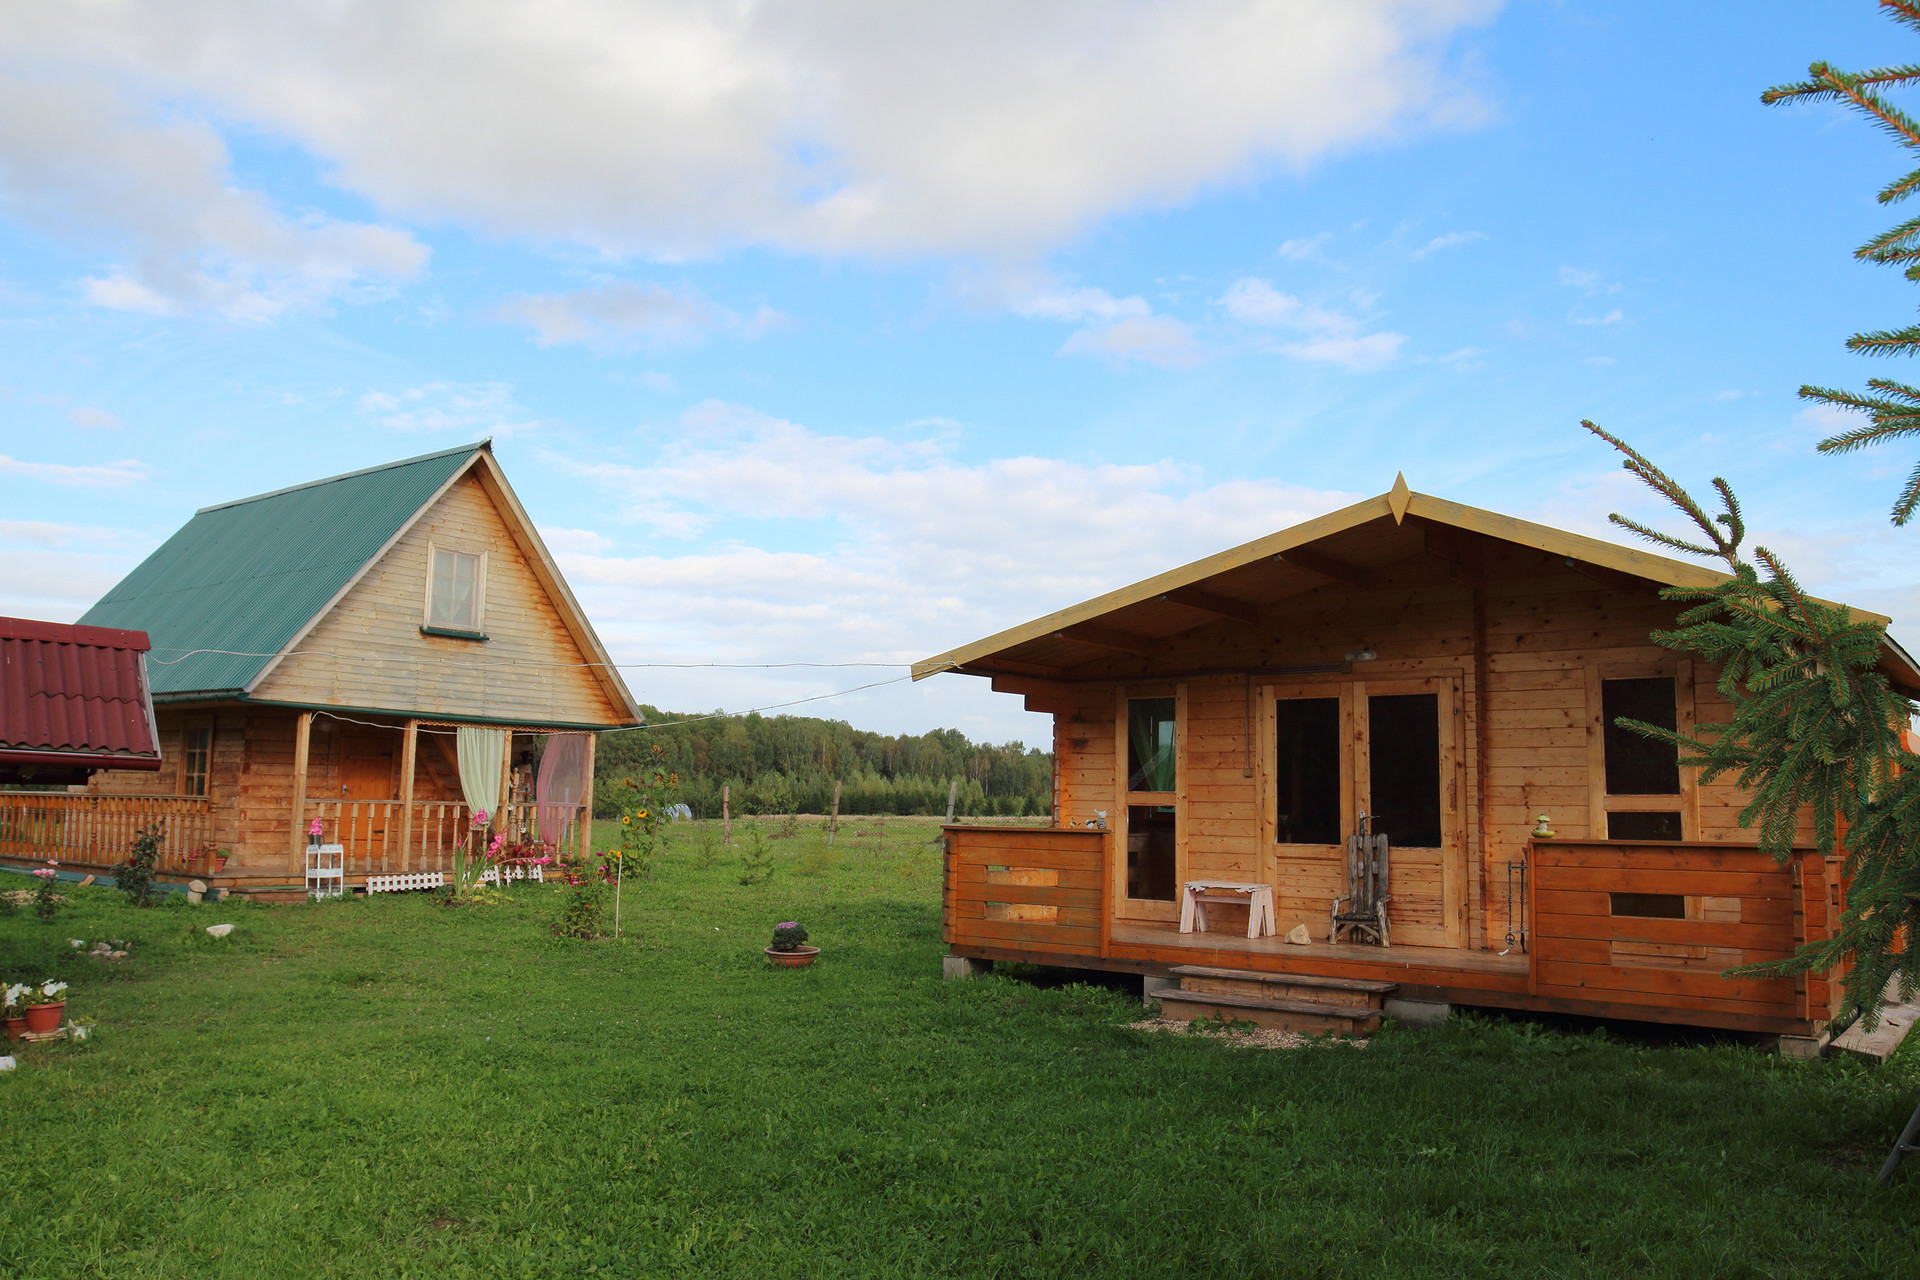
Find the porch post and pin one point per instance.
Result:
(506, 784)
(302, 731)
(409, 743)
(586, 805)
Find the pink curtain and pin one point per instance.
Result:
(562, 783)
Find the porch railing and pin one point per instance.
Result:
(1034, 890)
(376, 839)
(1652, 928)
(98, 830)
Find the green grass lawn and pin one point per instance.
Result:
(390, 1088)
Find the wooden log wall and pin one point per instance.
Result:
(1541, 633)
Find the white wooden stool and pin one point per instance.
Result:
(1258, 899)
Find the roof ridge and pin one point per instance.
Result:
(350, 475)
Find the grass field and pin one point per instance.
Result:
(389, 1088)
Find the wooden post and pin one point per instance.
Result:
(726, 813)
(409, 748)
(833, 823)
(586, 806)
(302, 731)
(953, 794)
(506, 784)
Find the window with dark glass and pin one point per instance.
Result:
(1150, 748)
(1623, 824)
(1307, 771)
(1636, 764)
(1403, 743)
(196, 761)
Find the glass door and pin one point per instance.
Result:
(1150, 833)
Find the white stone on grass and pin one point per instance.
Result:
(7, 1063)
(219, 930)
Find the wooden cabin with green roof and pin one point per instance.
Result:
(316, 649)
(1409, 689)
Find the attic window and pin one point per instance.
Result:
(456, 592)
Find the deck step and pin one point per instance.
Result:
(1280, 1015)
(1298, 988)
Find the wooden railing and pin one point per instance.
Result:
(377, 841)
(1038, 891)
(98, 831)
(1646, 930)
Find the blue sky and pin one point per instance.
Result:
(844, 333)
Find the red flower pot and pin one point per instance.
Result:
(16, 1027)
(42, 1018)
(795, 959)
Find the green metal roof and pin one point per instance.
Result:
(246, 576)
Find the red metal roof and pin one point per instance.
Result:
(72, 695)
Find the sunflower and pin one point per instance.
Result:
(626, 821)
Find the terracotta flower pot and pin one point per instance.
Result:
(16, 1027)
(42, 1018)
(795, 959)
(219, 864)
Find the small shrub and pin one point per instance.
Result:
(790, 936)
(756, 855)
(789, 827)
(582, 914)
(706, 845)
(134, 877)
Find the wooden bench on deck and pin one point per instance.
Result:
(1257, 898)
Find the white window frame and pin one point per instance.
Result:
(479, 590)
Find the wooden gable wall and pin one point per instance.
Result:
(380, 617)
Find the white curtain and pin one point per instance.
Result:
(483, 756)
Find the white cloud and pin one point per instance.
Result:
(1720, 396)
(154, 198)
(93, 419)
(1451, 240)
(1615, 316)
(1304, 247)
(1332, 337)
(1464, 359)
(109, 475)
(585, 541)
(1118, 330)
(622, 314)
(844, 548)
(1828, 419)
(55, 571)
(1580, 278)
(469, 408)
(1601, 361)
(1159, 340)
(657, 126)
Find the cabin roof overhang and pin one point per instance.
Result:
(1352, 546)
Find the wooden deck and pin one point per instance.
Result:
(1631, 930)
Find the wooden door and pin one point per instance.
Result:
(1307, 763)
(1388, 748)
(366, 774)
(1149, 817)
(1409, 775)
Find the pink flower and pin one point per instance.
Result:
(315, 829)
(479, 819)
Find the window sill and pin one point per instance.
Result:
(452, 633)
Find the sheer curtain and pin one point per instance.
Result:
(562, 784)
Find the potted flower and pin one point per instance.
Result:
(16, 1008)
(790, 946)
(45, 1004)
(220, 859)
(314, 831)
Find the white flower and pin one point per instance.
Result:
(51, 989)
(14, 993)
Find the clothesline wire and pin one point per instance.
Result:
(663, 724)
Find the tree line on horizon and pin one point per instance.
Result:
(789, 764)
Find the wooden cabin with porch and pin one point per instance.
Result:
(316, 653)
(1232, 737)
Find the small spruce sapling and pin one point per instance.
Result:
(756, 855)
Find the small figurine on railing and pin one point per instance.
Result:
(1544, 829)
